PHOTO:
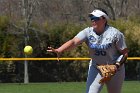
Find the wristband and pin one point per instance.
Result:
(117, 65)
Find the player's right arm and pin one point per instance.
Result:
(78, 39)
(66, 46)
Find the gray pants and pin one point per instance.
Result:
(113, 86)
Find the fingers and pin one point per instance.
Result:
(55, 51)
(58, 55)
(50, 49)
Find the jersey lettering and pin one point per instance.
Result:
(101, 47)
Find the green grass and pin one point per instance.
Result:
(65, 87)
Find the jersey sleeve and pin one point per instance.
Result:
(120, 42)
(82, 35)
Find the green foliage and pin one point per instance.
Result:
(6, 71)
(6, 46)
(4, 22)
(135, 19)
(65, 70)
(131, 31)
(12, 46)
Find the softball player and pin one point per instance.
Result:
(106, 45)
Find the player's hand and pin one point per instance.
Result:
(107, 71)
(50, 49)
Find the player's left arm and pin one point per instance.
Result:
(108, 71)
(122, 58)
(122, 48)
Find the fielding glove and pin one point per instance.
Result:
(107, 71)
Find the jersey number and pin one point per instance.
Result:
(100, 52)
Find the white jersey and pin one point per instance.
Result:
(104, 48)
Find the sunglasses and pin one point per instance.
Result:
(93, 18)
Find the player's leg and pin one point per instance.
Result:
(93, 85)
(115, 84)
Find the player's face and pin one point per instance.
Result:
(98, 23)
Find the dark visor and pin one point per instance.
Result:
(94, 18)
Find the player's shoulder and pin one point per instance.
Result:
(88, 29)
(114, 30)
